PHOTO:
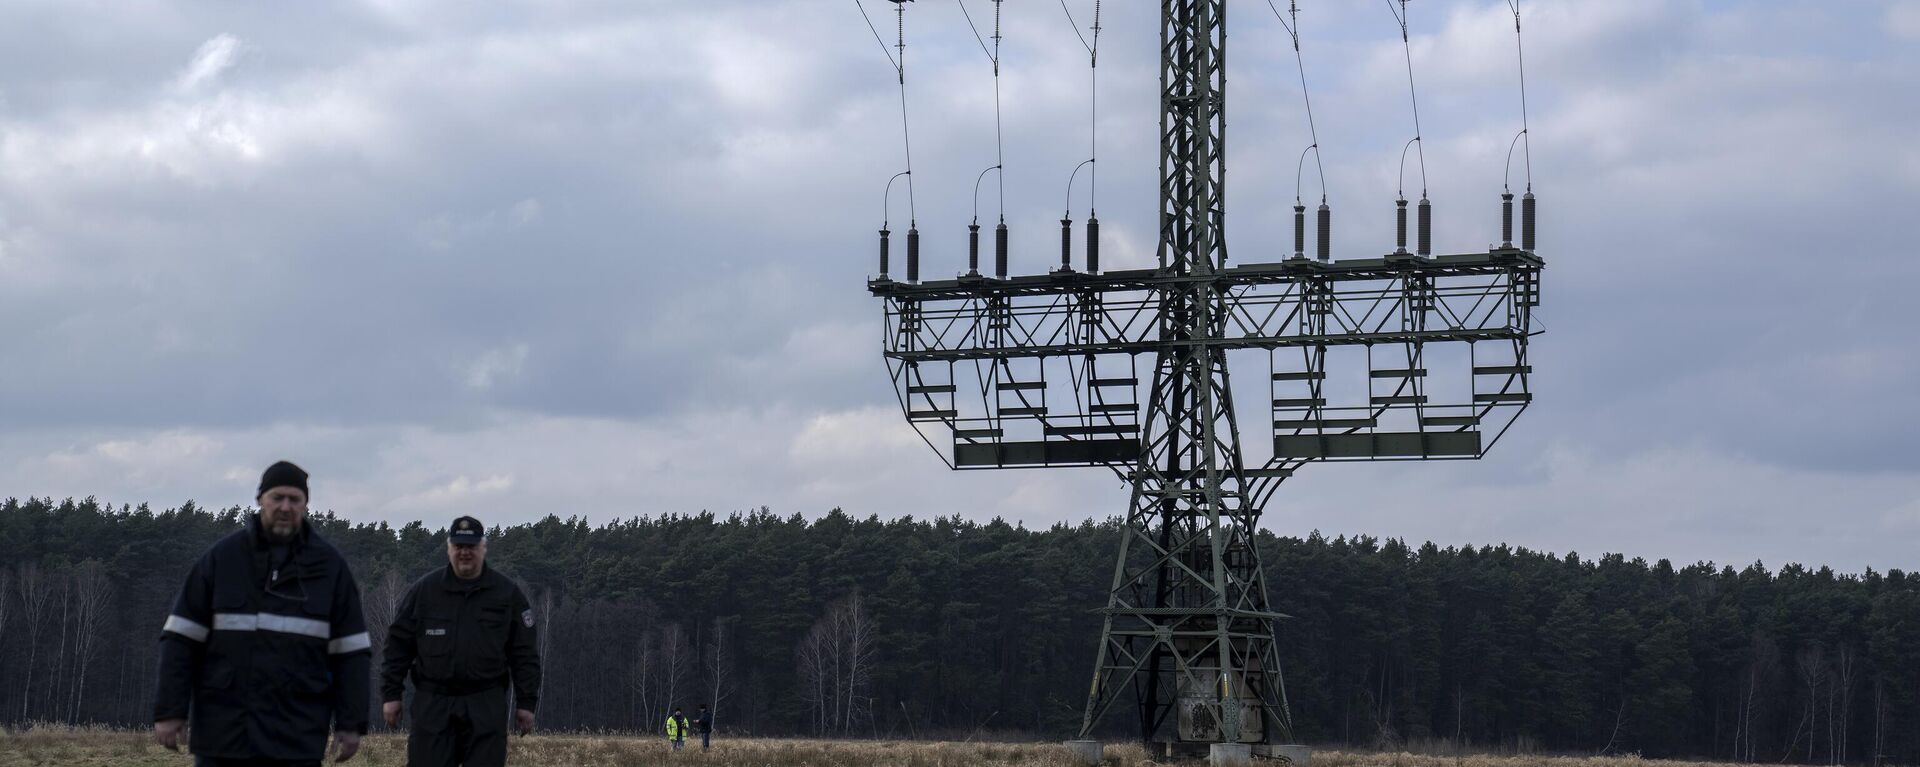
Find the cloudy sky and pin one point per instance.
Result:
(608, 258)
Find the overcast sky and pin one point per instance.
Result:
(609, 258)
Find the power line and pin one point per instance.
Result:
(1525, 130)
(1093, 115)
(1293, 30)
(999, 142)
(1407, 45)
(899, 63)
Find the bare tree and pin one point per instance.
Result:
(382, 601)
(719, 667)
(1764, 658)
(836, 665)
(641, 684)
(1879, 716)
(816, 675)
(54, 699)
(91, 593)
(856, 652)
(34, 591)
(554, 689)
(1847, 671)
(1811, 664)
(676, 660)
(1619, 720)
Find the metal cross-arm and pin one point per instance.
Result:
(1468, 297)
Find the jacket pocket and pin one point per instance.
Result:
(216, 689)
(231, 595)
(490, 650)
(319, 601)
(435, 644)
(436, 635)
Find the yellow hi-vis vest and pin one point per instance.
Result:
(676, 728)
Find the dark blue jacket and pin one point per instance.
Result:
(266, 653)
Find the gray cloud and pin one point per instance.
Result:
(609, 259)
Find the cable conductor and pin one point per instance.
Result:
(999, 144)
(1406, 43)
(1293, 31)
(1092, 47)
(1525, 131)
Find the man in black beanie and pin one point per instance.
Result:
(266, 647)
(283, 516)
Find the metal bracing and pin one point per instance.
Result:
(1469, 297)
(1048, 370)
(1187, 627)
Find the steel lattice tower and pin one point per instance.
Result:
(1195, 605)
(1188, 633)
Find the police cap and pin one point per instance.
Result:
(467, 530)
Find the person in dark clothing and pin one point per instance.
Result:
(266, 645)
(463, 633)
(703, 724)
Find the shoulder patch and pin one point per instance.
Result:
(526, 617)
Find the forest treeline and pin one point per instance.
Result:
(916, 628)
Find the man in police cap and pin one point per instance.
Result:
(462, 633)
(266, 645)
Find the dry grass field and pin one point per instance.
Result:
(120, 748)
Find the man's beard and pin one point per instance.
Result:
(274, 532)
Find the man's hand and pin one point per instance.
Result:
(391, 711)
(523, 719)
(345, 744)
(166, 732)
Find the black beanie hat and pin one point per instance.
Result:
(283, 474)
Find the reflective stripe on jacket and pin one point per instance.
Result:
(267, 655)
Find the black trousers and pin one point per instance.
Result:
(458, 730)
(214, 761)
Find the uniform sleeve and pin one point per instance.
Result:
(183, 642)
(523, 653)
(349, 655)
(397, 658)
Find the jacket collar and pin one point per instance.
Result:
(452, 582)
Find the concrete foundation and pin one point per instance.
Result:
(1089, 752)
(1294, 755)
(1230, 755)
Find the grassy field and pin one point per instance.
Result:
(119, 748)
